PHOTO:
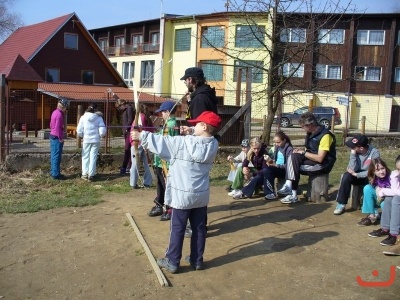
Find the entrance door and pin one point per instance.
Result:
(395, 118)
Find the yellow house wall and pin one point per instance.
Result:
(376, 109)
(181, 60)
(259, 99)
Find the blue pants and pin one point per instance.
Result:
(134, 172)
(56, 148)
(197, 217)
(391, 215)
(369, 205)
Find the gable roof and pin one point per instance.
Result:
(82, 92)
(28, 40)
(19, 69)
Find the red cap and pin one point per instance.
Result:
(209, 118)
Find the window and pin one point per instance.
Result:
(293, 35)
(137, 42)
(256, 70)
(212, 70)
(155, 41)
(331, 36)
(146, 74)
(87, 77)
(114, 65)
(397, 75)
(328, 71)
(182, 39)
(103, 44)
(249, 36)
(368, 73)
(70, 41)
(119, 41)
(128, 72)
(370, 37)
(212, 36)
(293, 70)
(53, 75)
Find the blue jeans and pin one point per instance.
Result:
(179, 218)
(134, 172)
(391, 215)
(89, 158)
(56, 148)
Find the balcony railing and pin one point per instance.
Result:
(144, 48)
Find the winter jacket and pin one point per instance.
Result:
(91, 127)
(202, 99)
(190, 158)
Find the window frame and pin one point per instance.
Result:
(147, 80)
(68, 39)
(212, 39)
(288, 73)
(57, 70)
(326, 38)
(131, 66)
(397, 74)
(326, 71)
(90, 74)
(368, 41)
(242, 40)
(289, 33)
(365, 73)
(212, 66)
(257, 75)
(180, 43)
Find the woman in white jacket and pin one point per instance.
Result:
(91, 128)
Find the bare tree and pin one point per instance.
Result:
(9, 21)
(285, 47)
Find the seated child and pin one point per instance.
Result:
(237, 161)
(379, 178)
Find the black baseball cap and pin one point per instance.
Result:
(357, 140)
(193, 72)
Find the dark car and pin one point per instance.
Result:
(324, 116)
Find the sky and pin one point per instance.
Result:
(102, 13)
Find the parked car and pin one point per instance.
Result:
(324, 116)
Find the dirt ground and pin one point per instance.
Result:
(255, 250)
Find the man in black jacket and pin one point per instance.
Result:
(202, 96)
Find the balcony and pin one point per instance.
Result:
(136, 49)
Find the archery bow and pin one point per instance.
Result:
(135, 126)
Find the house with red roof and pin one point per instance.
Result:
(56, 59)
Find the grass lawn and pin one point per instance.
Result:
(33, 191)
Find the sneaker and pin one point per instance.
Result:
(285, 190)
(365, 222)
(289, 199)
(198, 266)
(166, 264)
(166, 216)
(239, 195)
(156, 211)
(389, 241)
(188, 232)
(90, 178)
(378, 233)
(270, 197)
(84, 177)
(339, 209)
(233, 193)
(395, 250)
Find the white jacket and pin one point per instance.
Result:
(91, 127)
(191, 158)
